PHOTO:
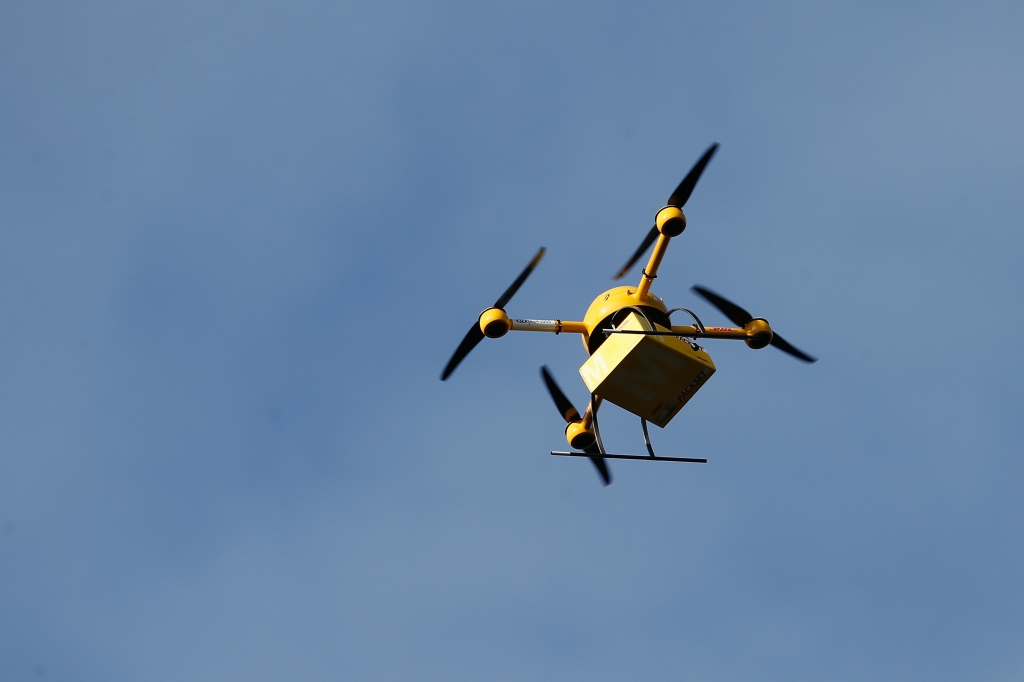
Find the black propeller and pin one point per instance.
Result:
(644, 245)
(475, 334)
(685, 188)
(570, 414)
(740, 317)
(678, 199)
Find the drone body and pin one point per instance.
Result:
(638, 360)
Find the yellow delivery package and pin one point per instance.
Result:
(650, 376)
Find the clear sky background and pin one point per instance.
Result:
(240, 240)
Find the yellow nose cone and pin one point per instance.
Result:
(494, 323)
(579, 438)
(670, 221)
(759, 334)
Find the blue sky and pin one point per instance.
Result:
(239, 241)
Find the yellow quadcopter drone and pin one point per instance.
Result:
(638, 359)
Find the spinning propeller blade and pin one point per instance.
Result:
(514, 287)
(644, 245)
(740, 317)
(678, 199)
(599, 463)
(570, 415)
(685, 188)
(475, 334)
(736, 314)
(787, 347)
(469, 341)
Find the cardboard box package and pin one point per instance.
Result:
(650, 376)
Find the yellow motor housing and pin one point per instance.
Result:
(671, 221)
(650, 376)
(579, 437)
(494, 323)
(759, 333)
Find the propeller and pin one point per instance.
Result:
(740, 317)
(475, 334)
(678, 200)
(644, 245)
(572, 415)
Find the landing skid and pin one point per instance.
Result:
(647, 458)
(595, 404)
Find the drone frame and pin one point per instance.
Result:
(605, 313)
